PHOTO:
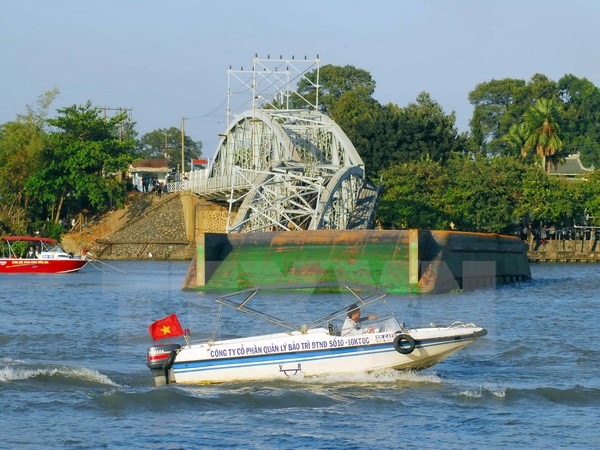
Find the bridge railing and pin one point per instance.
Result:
(198, 181)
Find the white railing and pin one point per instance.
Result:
(197, 181)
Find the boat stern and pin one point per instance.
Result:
(159, 359)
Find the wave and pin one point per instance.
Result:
(310, 392)
(17, 370)
(315, 391)
(225, 397)
(487, 391)
(23, 339)
(574, 396)
(176, 398)
(512, 351)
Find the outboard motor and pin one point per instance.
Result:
(160, 359)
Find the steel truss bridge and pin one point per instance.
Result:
(286, 169)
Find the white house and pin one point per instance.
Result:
(146, 169)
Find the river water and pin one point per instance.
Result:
(73, 373)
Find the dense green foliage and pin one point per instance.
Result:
(491, 179)
(82, 164)
(497, 195)
(383, 135)
(52, 170)
(166, 143)
(501, 106)
(334, 81)
(21, 146)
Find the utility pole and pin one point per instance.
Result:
(119, 110)
(182, 146)
(166, 148)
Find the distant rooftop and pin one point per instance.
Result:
(572, 167)
(150, 164)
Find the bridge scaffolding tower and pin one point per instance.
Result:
(288, 165)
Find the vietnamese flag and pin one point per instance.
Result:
(166, 328)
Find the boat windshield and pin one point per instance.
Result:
(385, 324)
(54, 248)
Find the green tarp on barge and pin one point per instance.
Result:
(398, 261)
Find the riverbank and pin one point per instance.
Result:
(580, 247)
(150, 226)
(165, 227)
(581, 250)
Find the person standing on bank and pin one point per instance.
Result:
(352, 322)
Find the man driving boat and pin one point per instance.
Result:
(352, 322)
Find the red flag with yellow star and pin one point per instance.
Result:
(166, 328)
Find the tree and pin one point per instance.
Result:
(82, 163)
(492, 101)
(166, 143)
(500, 104)
(21, 145)
(546, 200)
(541, 122)
(586, 196)
(497, 195)
(580, 118)
(412, 196)
(358, 114)
(387, 135)
(481, 194)
(516, 139)
(333, 82)
(426, 131)
(476, 139)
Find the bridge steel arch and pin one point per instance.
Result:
(290, 170)
(339, 199)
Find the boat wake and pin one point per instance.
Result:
(314, 386)
(17, 370)
(373, 379)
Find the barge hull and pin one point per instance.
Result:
(398, 261)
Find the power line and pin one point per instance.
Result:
(208, 114)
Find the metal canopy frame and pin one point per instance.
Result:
(240, 300)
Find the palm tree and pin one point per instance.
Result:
(541, 120)
(516, 138)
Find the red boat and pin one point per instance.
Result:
(25, 254)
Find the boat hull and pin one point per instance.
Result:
(292, 355)
(18, 265)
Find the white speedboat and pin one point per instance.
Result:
(308, 350)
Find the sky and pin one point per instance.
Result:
(168, 59)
